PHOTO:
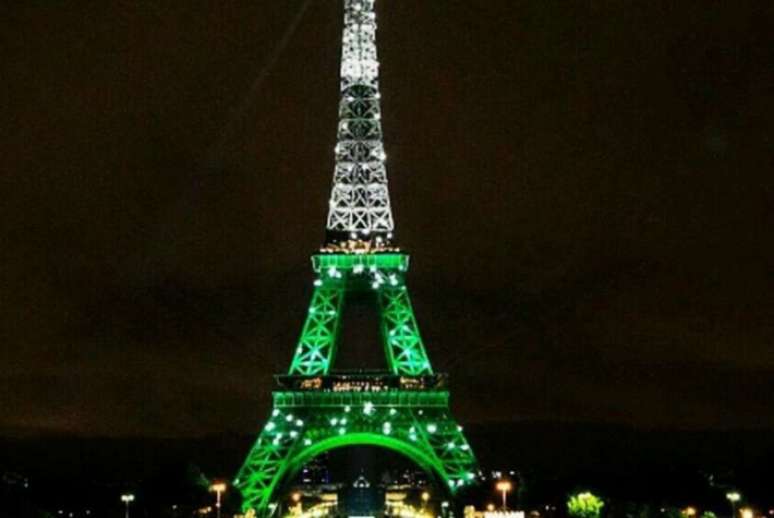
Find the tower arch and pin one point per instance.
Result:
(305, 424)
(421, 459)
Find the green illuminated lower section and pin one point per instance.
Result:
(405, 410)
(341, 273)
(305, 424)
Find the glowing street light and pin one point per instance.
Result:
(218, 488)
(425, 499)
(127, 498)
(733, 497)
(747, 512)
(689, 511)
(504, 486)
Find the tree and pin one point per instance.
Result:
(585, 505)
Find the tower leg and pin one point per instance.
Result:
(403, 344)
(317, 345)
(266, 463)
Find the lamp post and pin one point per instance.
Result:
(425, 499)
(218, 488)
(296, 498)
(504, 486)
(127, 499)
(733, 497)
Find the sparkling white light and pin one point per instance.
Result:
(360, 201)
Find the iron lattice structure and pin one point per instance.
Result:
(360, 201)
(316, 409)
(383, 273)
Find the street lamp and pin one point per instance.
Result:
(690, 512)
(425, 498)
(733, 497)
(217, 488)
(747, 512)
(504, 486)
(127, 499)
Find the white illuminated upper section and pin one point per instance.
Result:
(360, 202)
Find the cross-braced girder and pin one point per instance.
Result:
(340, 274)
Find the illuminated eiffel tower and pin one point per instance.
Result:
(316, 409)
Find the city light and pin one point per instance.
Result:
(317, 511)
(746, 512)
(406, 511)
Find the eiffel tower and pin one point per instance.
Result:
(315, 407)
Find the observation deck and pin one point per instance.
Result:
(362, 381)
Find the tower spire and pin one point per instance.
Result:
(359, 215)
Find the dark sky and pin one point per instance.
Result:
(585, 188)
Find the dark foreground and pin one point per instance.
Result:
(638, 473)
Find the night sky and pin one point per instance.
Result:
(585, 189)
